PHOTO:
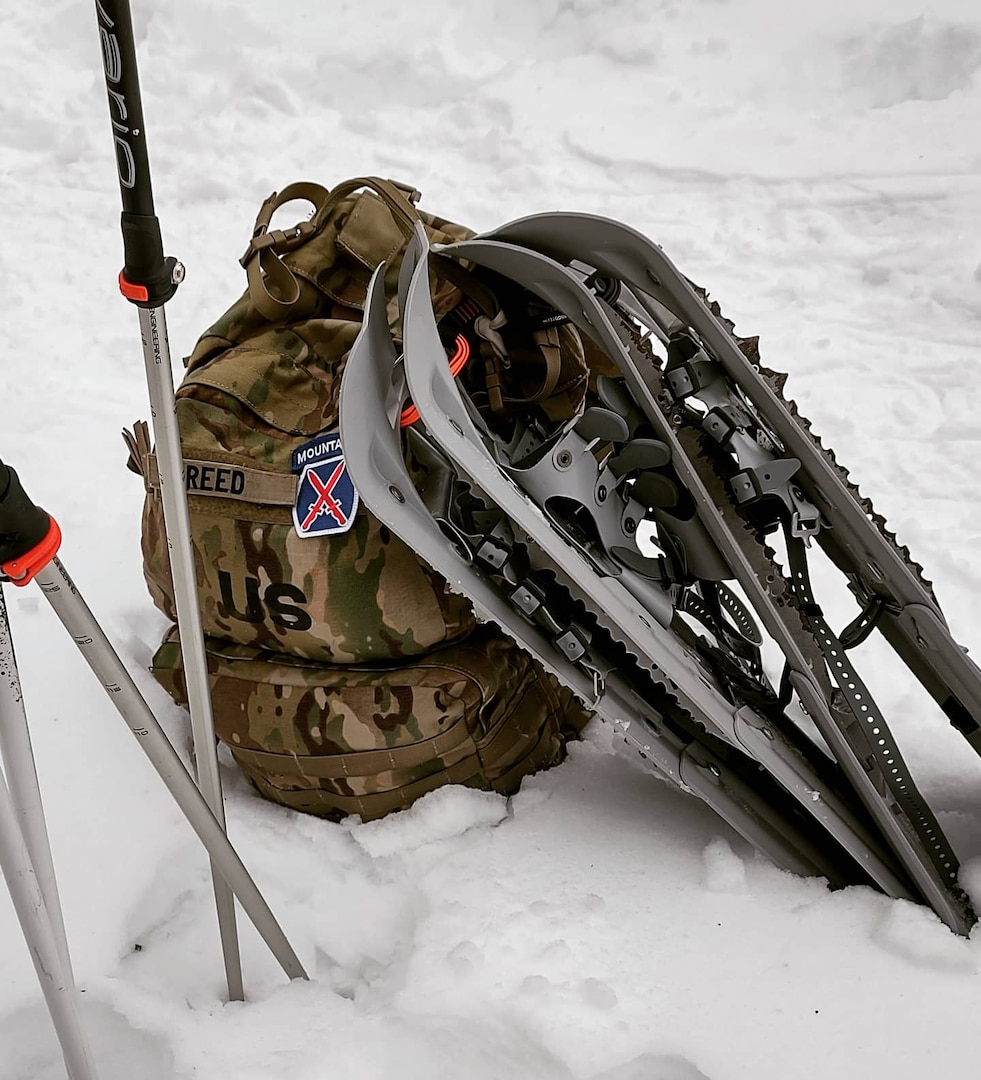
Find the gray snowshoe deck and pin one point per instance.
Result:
(618, 622)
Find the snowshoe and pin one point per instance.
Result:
(652, 549)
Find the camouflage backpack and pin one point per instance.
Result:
(346, 677)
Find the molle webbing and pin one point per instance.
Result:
(498, 763)
(477, 712)
(371, 806)
(346, 676)
(364, 762)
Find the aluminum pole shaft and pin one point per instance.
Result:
(17, 755)
(170, 463)
(35, 921)
(71, 609)
(148, 280)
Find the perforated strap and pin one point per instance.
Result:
(273, 287)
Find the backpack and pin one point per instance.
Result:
(346, 677)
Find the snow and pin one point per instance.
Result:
(817, 167)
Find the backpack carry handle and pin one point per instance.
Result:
(273, 287)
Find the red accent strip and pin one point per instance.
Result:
(131, 291)
(410, 414)
(22, 571)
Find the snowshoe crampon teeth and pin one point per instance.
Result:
(672, 659)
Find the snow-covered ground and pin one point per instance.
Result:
(817, 167)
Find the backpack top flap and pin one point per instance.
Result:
(323, 271)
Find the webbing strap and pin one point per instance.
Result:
(470, 285)
(399, 198)
(551, 351)
(378, 803)
(139, 446)
(273, 287)
(540, 755)
(362, 762)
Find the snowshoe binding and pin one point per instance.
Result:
(651, 549)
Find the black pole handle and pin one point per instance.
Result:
(27, 533)
(147, 279)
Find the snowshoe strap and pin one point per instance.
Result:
(469, 284)
(487, 326)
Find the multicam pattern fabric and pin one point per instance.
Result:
(368, 739)
(346, 677)
(252, 395)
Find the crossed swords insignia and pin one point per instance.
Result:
(325, 500)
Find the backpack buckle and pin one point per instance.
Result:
(279, 240)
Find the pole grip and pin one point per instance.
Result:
(148, 278)
(29, 538)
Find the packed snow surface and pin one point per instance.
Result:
(817, 168)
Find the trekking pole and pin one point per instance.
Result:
(20, 771)
(149, 280)
(19, 523)
(27, 866)
(36, 923)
